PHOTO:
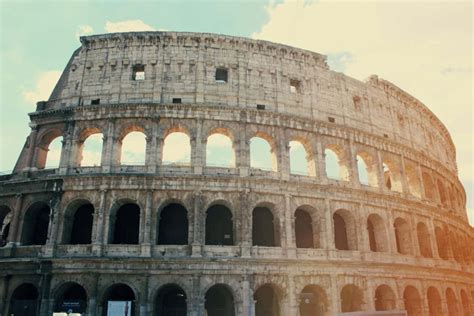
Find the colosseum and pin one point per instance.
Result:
(384, 231)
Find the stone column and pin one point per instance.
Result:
(145, 238)
(334, 300)
(143, 299)
(292, 301)
(244, 151)
(44, 288)
(319, 160)
(380, 174)
(289, 227)
(54, 215)
(283, 156)
(14, 237)
(403, 177)
(197, 149)
(392, 242)
(330, 244)
(32, 146)
(67, 151)
(92, 303)
(353, 170)
(196, 245)
(245, 225)
(196, 299)
(248, 304)
(108, 147)
(364, 243)
(434, 245)
(4, 285)
(420, 180)
(98, 225)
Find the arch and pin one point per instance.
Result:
(442, 243)
(176, 148)
(24, 301)
(378, 240)
(6, 216)
(412, 300)
(219, 301)
(335, 163)
(90, 149)
(413, 180)
(170, 300)
(219, 226)
(304, 235)
(451, 302)
(367, 169)
(299, 158)
(263, 227)
(313, 301)
(352, 298)
(424, 240)
(465, 303)
(402, 236)
(133, 148)
(123, 297)
(428, 186)
(263, 153)
(391, 175)
(384, 298)
(345, 237)
(266, 301)
(36, 224)
(220, 149)
(71, 296)
(49, 149)
(124, 223)
(173, 225)
(442, 193)
(78, 220)
(434, 302)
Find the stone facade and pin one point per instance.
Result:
(400, 241)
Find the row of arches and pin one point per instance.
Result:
(219, 300)
(173, 225)
(133, 148)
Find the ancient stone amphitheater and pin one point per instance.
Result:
(389, 232)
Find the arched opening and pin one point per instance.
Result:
(412, 300)
(335, 167)
(35, 224)
(133, 149)
(262, 154)
(177, 149)
(119, 299)
(91, 150)
(219, 301)
(377, 235)
(72, 297)
(434, 302)
(125, 224)
(352, 298)
(173, 225)
(413, 180)
(424, 241)
(5, 220)
(465, 303)
(49, 150)
(442, 193)
(367, 169)
(304, 234)
(263, 228)
(452, 303)
(78, 224)
(219, 226)
(402, 236)
(442, 243)
(313, 301)
(220, 151)
(266, 301)
(345, 237)
(24, 301)
(429, 187)
(299, 159)
(391, 177)
(171, 301)
(384, 298)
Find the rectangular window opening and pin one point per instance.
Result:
(294, 86)
(221, 75)
(176, 100)
(95, 101)
(260, 106)
(138, 72)
(331, 119)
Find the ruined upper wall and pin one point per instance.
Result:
(183, 66)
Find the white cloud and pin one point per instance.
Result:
(83, 30)
(44, 86)
(176, 148)
(425, 48)
(127, 26)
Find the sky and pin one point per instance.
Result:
(424, 47)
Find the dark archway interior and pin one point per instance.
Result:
(119, 292)
(303, 229)
(266, 301)
(434, 302)
(312, 301)
(4, 225)
(219, 226)
(73, 298)
(24, 301)
(173, 225)
(127, 224)
(219, 301)
(263, 230)
(384, 298)
(340, 232)
(371, 232)
(35, 226)
(81, 232)
(351, 299)
(412, 301)
(171, 301)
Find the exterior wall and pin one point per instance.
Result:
(374, 117)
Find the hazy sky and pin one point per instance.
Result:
(424, 47)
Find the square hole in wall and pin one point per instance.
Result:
(138, 72)
(176, 100)
(221, 74)
(260, 106)
(95, 101)
(331, 119)
(295, 86)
